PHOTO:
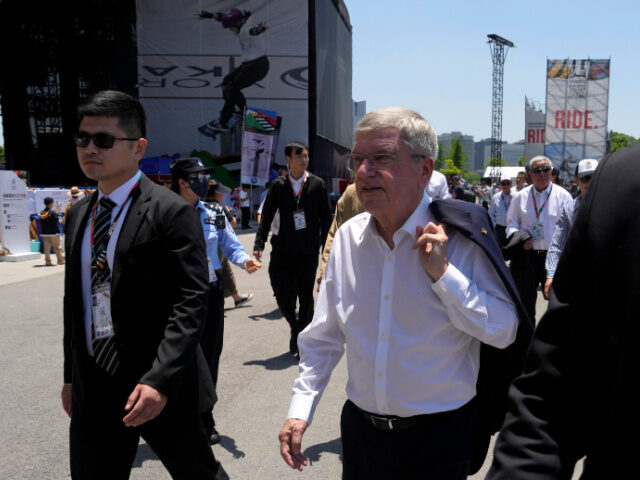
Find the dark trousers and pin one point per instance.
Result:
(228, 280)
(246, 216)
(293, 278)
(101, 447)
(242, 77)
(212, 338)
(529, 273)
(501, 235)
(439, 449)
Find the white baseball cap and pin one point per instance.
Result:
(586, 167)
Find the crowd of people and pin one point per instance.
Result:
(413, 285)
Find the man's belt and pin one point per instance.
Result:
(540, 252)
(392, 422)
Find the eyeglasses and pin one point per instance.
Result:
(201, 177)
(379, 161)
(540, 170)
(586, 178)
(100, 139)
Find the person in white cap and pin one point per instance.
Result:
(584, 172)
(499, 207)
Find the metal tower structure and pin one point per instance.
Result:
(499, 47)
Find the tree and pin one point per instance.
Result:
(621, 140)
(501, 163)
(439, 163)
(450, 168)
(456, 153)
(521, 161)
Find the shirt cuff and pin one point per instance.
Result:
(300, 407)
(452, 286)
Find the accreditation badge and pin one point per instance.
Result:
(101, 311)
(537, 231)
(298, 220)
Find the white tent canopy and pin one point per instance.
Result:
(510, 172)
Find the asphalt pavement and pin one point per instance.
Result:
(254, 386)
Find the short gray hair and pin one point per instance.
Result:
(539, 158)
(417, 133)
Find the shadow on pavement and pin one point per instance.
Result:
(281, 362)
(229, 444)
(272, 315)
(144, 453)
(314, 452)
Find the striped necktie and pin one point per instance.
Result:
(104, 349)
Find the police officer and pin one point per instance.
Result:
(190, 179)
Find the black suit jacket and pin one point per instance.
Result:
(578, 395)
(159, 287)
(498, 367)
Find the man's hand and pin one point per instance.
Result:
(258, 255)
(431, 243)
(290, 442)
(145, 403)
(547, 287)
(66, 398)
(250, 265)
(528, 244)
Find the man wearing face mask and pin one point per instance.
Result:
(190, 179)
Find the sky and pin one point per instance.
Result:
(433, 57)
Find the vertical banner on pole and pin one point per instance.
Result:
(259, 143)
(577, 112)
(14, 214)
(534, 120)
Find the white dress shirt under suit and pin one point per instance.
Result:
(412, 344)
(522, 214)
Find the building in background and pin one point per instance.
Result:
(160, 52)
(359, 111)
(511, 152)
(534, 123)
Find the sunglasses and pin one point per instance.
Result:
(540, 170)
(586, 178)
(505, 183)
(100, 140)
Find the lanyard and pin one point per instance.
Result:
(97, 256)
(535, 205)
(506, 205)
(299, 193)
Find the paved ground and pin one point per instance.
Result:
(256, 375)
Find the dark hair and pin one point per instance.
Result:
(175, 185)
(112, 103)
(521, 172)
(554, 171)
(295, 148)
(47, 201)
(454, 178)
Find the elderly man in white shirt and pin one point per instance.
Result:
(534, 212)
(411, 304)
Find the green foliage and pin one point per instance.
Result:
(456, 153)
(2, 160)
(439, 162)
(472, 177)
(450, 168)
(501, 163)
(621, 140)
(521, 161)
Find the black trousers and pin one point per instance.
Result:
(212, 338)
(101, 447)
(246, 216)
(293, 278)
(439, 449)
(233, 83)
(529, 273)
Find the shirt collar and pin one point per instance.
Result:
(546, 190)
(298, 183)
(420, 216)
(120, 194)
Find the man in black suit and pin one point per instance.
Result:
(135, 302)
(578, 394)
(305, 216)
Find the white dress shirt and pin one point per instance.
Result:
(437, 186)
(412, 345)
(522, 214)
(119, 197)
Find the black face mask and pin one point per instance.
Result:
(199, 186)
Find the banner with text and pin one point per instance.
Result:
(534, 122)
(200, 62)
(577, 112)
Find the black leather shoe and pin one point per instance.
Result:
(293, 343)
(213, 435)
